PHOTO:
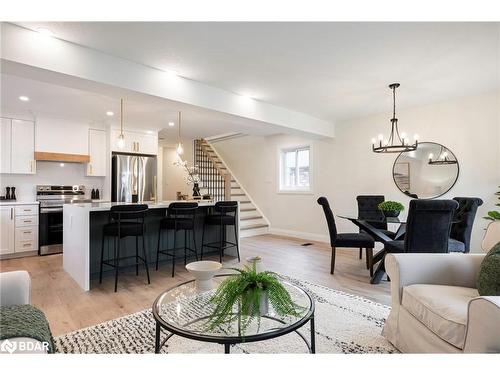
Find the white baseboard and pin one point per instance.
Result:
(302, 235)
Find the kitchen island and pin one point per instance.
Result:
(82, 237)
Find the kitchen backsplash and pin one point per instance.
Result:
(50, 173)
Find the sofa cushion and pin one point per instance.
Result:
(441, 308)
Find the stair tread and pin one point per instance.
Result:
(250, 218)
(242, 202)
(237, 195)
(248, 209)
(253, 226)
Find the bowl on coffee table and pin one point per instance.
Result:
(203, 272)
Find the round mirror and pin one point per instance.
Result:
(428, 172)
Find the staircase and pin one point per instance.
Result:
(222, 185)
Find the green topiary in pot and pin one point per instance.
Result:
(246, 296)
(391, 208)
(494, 215)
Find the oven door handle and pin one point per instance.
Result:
(48, 210)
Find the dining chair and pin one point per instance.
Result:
(463, 222)
(428, 227)
(368, 210)
(348, 240)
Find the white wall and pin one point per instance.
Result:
(346, 167)
(50, 173)
(173, 178)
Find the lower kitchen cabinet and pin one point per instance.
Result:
(19, 230)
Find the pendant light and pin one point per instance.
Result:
(121, 137)
(396, 142)
(443, 158)
(179, 149)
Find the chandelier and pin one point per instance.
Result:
(396, 142)
(442, 158)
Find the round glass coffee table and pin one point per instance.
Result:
(184, 310)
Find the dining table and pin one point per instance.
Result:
(372, 227)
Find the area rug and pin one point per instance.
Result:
(344, 323)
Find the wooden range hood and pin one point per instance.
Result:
(67, 158)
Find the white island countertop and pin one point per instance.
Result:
(16, 203)
(106, 206)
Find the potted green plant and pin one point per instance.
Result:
(391, 208)
(494, 215)
(247, 295)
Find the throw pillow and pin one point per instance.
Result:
(488, 280)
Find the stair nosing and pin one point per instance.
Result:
(254, 226)
(250, 218)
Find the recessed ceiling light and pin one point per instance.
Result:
(24, 98)
(44, 31)
(150, 132)
(110, 113)
(171, 123)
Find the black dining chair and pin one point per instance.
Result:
(428, 227)
(463, 221)
(349, 240)
(124, 221)
(368, 210)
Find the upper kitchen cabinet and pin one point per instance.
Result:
(135, 142)
(17, 142)
(97, 153)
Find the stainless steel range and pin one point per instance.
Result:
(52, 198)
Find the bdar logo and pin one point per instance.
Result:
(8, 346)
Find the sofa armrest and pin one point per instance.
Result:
(483, 325)
(439, 269)
(15, 288)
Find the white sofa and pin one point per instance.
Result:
(436, 307)
(15, 289)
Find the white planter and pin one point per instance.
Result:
(263, 306)
(203, 272)
(492, 236)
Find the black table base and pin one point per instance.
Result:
(311, 344)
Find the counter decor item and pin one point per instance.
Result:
(203, 272)
(247, 296)
(192, 177)
(13, 193)
(7, 193)
(391, 208)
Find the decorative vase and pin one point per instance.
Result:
(391, 213)
(263, 306)
(203, 272)
(492, 236)
(196, 190)
(257, 261)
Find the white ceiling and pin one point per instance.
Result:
(334, 71)
(140, 111)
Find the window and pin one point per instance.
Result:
(295, 169)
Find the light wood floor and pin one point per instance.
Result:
(68, 307)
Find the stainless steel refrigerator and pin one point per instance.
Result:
(133, 178)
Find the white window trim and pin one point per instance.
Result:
(297, 191)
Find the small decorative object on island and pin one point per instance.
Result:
(391, 208)
(203, 272)
(246, 297)
(492, 235)
(192, 175)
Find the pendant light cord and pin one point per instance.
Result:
(394, 102)
(179, 126)
(121, 117)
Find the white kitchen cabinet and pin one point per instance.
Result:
(18, 146)
(7, 230)
(135, 142)
(5, 144)
(97, 153)
(23, 147)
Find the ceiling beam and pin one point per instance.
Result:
(31, 48)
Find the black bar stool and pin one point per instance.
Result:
(225, 213)
(180, 216)
(125, 221)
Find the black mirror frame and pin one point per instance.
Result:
(437, 196)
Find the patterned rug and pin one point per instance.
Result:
(344, 323)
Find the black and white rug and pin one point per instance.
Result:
(344, 323)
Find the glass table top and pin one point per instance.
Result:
(185, 310)
(381, 219)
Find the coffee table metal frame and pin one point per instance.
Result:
(227, 341)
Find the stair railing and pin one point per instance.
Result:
(215, 179)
